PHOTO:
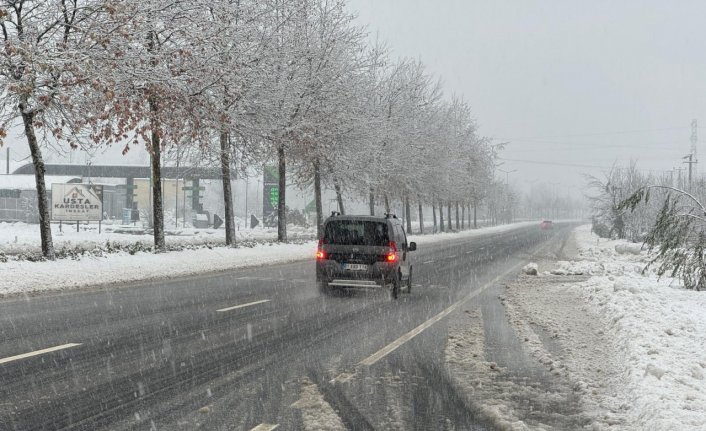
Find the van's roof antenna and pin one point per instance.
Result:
(335, 213)
(390, 215)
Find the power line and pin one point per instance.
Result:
(577, 135)
(540, 162)
(571, 165)
(617, 147)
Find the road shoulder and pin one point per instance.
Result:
(627, 346)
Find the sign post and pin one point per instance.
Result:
(77, 202)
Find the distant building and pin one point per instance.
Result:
(18, 196)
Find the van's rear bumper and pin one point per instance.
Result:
(332, 273)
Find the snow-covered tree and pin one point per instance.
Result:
(150, 69)
(678, 235)
(45, 69)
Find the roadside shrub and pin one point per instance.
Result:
(601, 229)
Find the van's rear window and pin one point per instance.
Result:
(356, 232)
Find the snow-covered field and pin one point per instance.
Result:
(632, 346)
(23, 277)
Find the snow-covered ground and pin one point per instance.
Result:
(23, 277)
(632, 346)
(16, 238)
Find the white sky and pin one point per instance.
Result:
(558, 78)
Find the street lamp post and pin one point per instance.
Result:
(507, 186)
(507, 175)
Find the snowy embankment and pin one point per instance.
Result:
(18, 238)
(659, 329)
(634, 346)
(22, 277)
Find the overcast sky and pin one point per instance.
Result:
(572, 83)
(576, 85)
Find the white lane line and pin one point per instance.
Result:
(372, 359)
(428, 261)
(235, 307)
(451, 257)
(265, 427)
(38, 352)
(469, 252)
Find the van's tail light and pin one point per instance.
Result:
(320, 253)
(392, 254)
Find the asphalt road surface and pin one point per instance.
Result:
(236, 350)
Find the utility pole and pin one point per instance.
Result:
(8, 161)
(694, 144)
(678, 183)
(691, 162)
(507, 175)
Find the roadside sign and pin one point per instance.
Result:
(270, 195)
(76, 202)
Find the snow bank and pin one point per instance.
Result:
(448, 236)
(16, 238)
(30, 277)
(658, 327)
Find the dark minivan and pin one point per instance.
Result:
(364, 251)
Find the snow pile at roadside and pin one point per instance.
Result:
(448, 236)
(16, 238)
(658, 327)
(27, 277)
(22, 238)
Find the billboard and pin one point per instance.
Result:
(76, 202)
(270, 196)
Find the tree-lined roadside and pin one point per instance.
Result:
(237, 85)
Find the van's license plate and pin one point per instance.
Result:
(355, 267)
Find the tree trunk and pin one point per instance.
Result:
(42, 198)
(281, 203)
(475, 215)
(339, 196)
(317, 199)
(433, 214)
(387, 204)
(448, 220)
(441, 216)
(421, 219)
(409, 214)
(227, 192)
(156, 162)
(463, 216)
(372, 203)
(457, 219)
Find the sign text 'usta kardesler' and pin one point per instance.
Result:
(76, 202)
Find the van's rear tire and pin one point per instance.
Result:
(396, 283)
(409, 280)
